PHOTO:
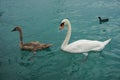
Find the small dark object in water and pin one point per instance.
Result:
(1, 13)
(102, 20)
(0, 63)
(9, 61)
(104, 30)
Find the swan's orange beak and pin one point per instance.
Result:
(61, 26)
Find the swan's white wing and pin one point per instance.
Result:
(83, 46)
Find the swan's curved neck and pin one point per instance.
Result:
(21, 37)
(66, 41)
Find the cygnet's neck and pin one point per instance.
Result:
(21, 37)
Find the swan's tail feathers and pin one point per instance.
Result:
(107, 41)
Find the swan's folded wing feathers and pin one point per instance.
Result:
(83, 46)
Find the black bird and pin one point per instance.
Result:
(102, 20)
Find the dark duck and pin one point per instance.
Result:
(31, 46)
(102, 20)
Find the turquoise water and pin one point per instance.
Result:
(40, 20)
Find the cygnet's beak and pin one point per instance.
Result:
(61, 26)
(13, 30)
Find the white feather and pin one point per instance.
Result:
(81, 46)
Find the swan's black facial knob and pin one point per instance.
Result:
(61, 26)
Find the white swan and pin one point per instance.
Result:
(80, 46)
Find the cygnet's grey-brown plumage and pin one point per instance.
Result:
(32, 46)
